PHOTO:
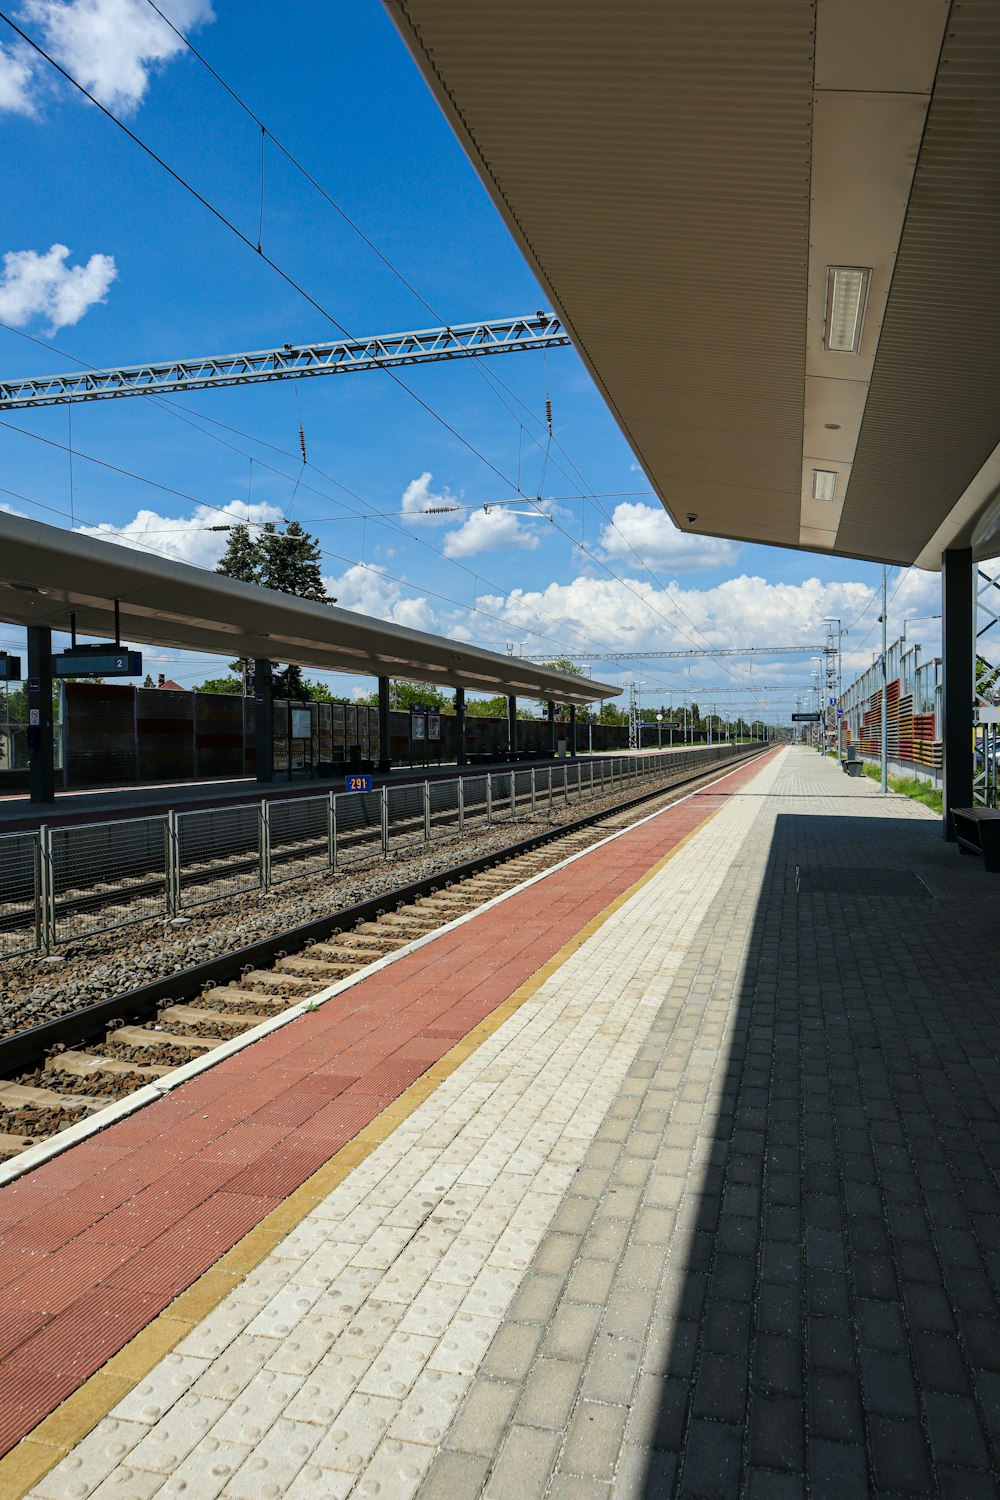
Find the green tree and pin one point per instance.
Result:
(147, 681)
(241, 559)
(407, 695)
(320, 693)
(287, 560)
(493, 708)
(220, 685)
(987, 680)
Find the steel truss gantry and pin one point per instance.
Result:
(683, 655)
(290, 362)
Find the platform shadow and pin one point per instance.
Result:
(828, 1323)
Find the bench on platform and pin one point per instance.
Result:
(977, 830)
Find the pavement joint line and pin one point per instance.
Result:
(57, 1434)
(92, 1125)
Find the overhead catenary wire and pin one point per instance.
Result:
(135, 539)
(480, 369)
(234, 229)
(244, 239)
(286, 276)
(390, 265)
(381, 517)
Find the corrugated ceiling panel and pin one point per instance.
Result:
(654, 159)
(933, 412)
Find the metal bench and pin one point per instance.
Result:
(977, 830)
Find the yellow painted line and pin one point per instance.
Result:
(58, 1434)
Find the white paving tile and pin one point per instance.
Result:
(337, 1366)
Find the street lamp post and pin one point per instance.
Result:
(659, 731)
(817, 678)
(833, 620)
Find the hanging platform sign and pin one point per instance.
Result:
(10, 668)
(97, 661)
(806, 718)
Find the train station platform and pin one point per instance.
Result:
(673, 1172)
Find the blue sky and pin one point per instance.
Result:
(151, 274)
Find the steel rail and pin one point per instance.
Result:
(26, 1049)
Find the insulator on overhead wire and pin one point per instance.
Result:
(548, 413)
(302, 443)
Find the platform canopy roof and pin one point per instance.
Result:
(47, 574)
(685, 177)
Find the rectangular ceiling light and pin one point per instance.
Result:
(846, 296)
(824, 484)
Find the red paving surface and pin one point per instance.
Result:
(98, 1241)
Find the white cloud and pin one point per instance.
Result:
(604, 614)
(418, 499)
(659, 542)
(15, 80)
(185, 538)
(33, 285)
(367, 591)
(494, 530)
(110, 46)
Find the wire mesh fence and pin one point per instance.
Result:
(20, 894)
(357, 821)
(58, 884)
(405, 816)
(104, 875)
(445, 814)
(219, 854)
(299, 842)
(477, 798)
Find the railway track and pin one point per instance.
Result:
(62, 1071)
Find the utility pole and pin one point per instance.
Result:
(633, 732)
(832, 620)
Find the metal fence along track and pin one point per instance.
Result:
(25, 1048)
(62, 884)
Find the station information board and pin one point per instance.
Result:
(806, 718)
(10, 668)
(100, 662)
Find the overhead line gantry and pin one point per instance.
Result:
(290, 362)
(625, 656)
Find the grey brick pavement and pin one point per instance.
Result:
(777, 1271)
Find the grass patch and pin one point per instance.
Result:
(910, 786)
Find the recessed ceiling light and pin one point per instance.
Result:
(832, 426)
(824, 484)
(846, 297)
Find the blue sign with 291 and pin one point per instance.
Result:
(358, 783)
